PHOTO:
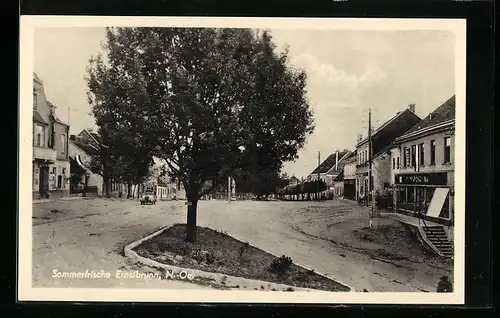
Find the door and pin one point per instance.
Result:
(44, 179)
(420, 200)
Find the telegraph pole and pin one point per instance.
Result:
(370, 195)
(319, 154)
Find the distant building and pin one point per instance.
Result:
(330, 168)
(83, 147)
(165, 187)
(51, 166)
(381, 141)
(423, 167)
(81, 154)
(293, 181)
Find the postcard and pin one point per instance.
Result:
(242, 160)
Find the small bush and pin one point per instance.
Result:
(281, 265)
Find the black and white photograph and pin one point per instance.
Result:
(242, 160)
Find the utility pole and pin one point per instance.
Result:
(370, 195)
(319, 154)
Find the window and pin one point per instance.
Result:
(39, 135)
(421, 159)
(63, 143)
(393, 163)
(397, 162)
(433, 152)
(366, 155)
(413, 155)
(59, 181)
(34, 99)
(405, 157)
(447, 149)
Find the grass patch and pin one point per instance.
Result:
(217, 252)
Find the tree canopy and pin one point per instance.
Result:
(207, 101)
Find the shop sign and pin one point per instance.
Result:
(422, 179)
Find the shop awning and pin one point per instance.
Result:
(437, 202)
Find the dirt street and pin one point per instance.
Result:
(330, 237)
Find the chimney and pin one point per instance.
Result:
(72, 137)
(412, 108)
(360, 137)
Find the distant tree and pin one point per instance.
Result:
(207, 101)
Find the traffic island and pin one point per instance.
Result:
(225, 262)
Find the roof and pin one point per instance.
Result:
(36, 78)
(442, 114)
(92, 134)
(340, 176)
(38, 118)
(161, 182)
(383, 150)
(329, 162)
(57, 120)
(398, 114)
(84, 146)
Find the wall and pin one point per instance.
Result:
(62, 151)
(350, 170)
(338, 188)
(395, 169)
(439, 166)
(43, 109)
(381, 171)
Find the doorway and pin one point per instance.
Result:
(44, 180)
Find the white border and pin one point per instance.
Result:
(27, 293)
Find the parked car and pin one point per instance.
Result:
(148, 197)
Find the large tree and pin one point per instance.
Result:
(211, 101)
(126, 149)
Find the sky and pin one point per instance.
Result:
(348, 73)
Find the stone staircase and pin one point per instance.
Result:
(437, 237)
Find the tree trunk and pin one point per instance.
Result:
(191, 220)
(129, 190)
(107, 185)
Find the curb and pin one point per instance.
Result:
(218, 277)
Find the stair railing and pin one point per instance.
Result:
(421, 217)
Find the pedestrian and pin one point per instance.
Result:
(444, 285)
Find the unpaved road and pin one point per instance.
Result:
(81, 235)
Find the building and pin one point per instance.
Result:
(83, 148)
(330, 168)
(293, 181)
(423, 168)
(51, 166)
(381, 141)
(165, 187)
(349, 176)
(82, 176)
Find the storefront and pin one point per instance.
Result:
(424, 195)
